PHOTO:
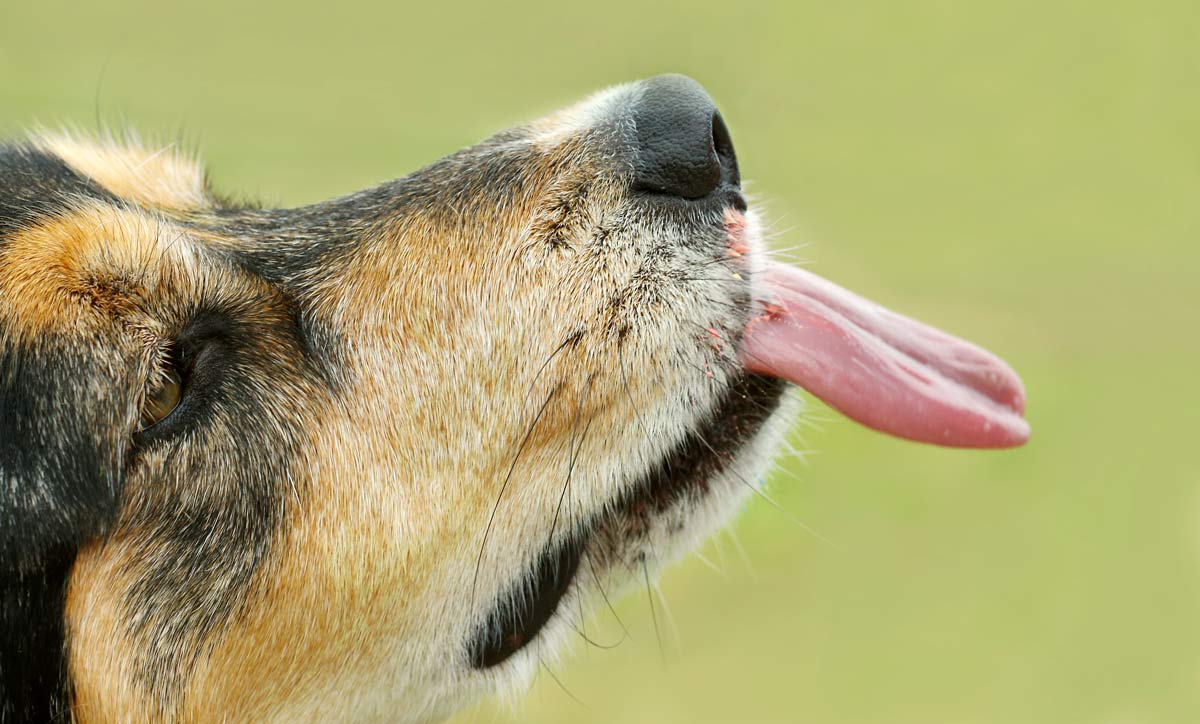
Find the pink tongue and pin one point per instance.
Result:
(882, 369)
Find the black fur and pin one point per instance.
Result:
(61, 482)
(201, 496)
(208, 548)
(521, 612)
(36, 185)
(33, 683)
(66, 464)
(66, 451)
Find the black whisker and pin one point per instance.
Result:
(507, 478)
(574, 452)
(577, 700)
(653, 614)
(770, 501)
(604, 595)
(570, 341)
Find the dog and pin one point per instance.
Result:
(355, 461)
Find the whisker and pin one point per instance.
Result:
(592, 642)
(741, 552)
(712, 566)
(574, 452)
(604, 595)
(570, 341)
(507, 478)
(637, 413)
(716, 280)
(653, 615)
(667, 615)
(542, 663)
(770, 501)
(151, 157)
(99, 88)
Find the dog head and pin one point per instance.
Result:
(355, 461)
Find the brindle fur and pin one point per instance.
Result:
(397, 405)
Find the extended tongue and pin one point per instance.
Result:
(880, 368)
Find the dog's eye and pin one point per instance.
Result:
(163, 397)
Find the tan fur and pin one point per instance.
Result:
(98, 624)
(161, 177)
(462, 332)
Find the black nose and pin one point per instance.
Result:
(684, 148)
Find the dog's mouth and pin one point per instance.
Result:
(686, 471)
(882, 369)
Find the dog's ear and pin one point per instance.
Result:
(59, 471)
(59, 487)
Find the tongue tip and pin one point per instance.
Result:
(1013, 432)
(881, 369)
(1011, 389)
(1021, 432)
(1017, 440)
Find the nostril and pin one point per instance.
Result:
(723, 145)
(682, 145)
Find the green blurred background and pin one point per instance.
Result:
(1025, 173)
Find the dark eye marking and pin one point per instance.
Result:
(190, 380)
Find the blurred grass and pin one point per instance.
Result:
(1024, 173)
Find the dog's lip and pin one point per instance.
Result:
(522, 613)
(725, 196)
(519, 614)
(687, 469)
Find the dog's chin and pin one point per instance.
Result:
(688, 493)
